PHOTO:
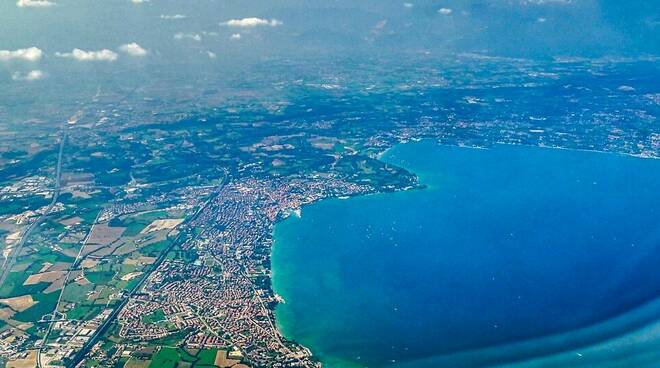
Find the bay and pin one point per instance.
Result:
(503, 246)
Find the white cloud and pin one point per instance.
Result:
(211, 54)
(29, 54)
(235, 36)
(408, 5)
(82, 55)
(133, 49)
(252, 22)
(191, 36)
(34, 3)
(445, 11)
(139, 1)
(33, 75)
(171, 17)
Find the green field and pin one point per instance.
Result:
(100, 277)
(46, 304)
(136, 223)
(154, 317)
(168, 357)
(206, 357)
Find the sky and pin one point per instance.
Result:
(91, 41)
(531, 28)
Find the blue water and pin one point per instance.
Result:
(504, 245)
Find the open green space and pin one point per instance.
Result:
(165, 358)
(206, 358)
(45, 305)
(154, 317)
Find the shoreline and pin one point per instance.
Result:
(297, 212)
(594, 341)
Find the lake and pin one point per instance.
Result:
(508, 253)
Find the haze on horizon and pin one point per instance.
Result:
(204, 33)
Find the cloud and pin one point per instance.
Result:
(191, 36)
(81, 55)
(251, 22)
(133, 49)
(171, 17)
(34, 3)
(211, 54)
(445, 11)
(408, 5)
(33, 75)
(139, 1)
(29, 54)
(235, 36)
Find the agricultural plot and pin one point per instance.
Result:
(174, 357)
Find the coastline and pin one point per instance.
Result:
(616, 327)
(298, 214)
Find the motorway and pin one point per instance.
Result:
(74, 266)
(56, 193)
(80, 355)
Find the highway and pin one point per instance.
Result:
(9, 263)
(74, 266)
(80, 355)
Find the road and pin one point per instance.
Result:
(101, 330)
(74, 266)
(9, 263)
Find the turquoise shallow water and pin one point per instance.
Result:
(504, 248)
